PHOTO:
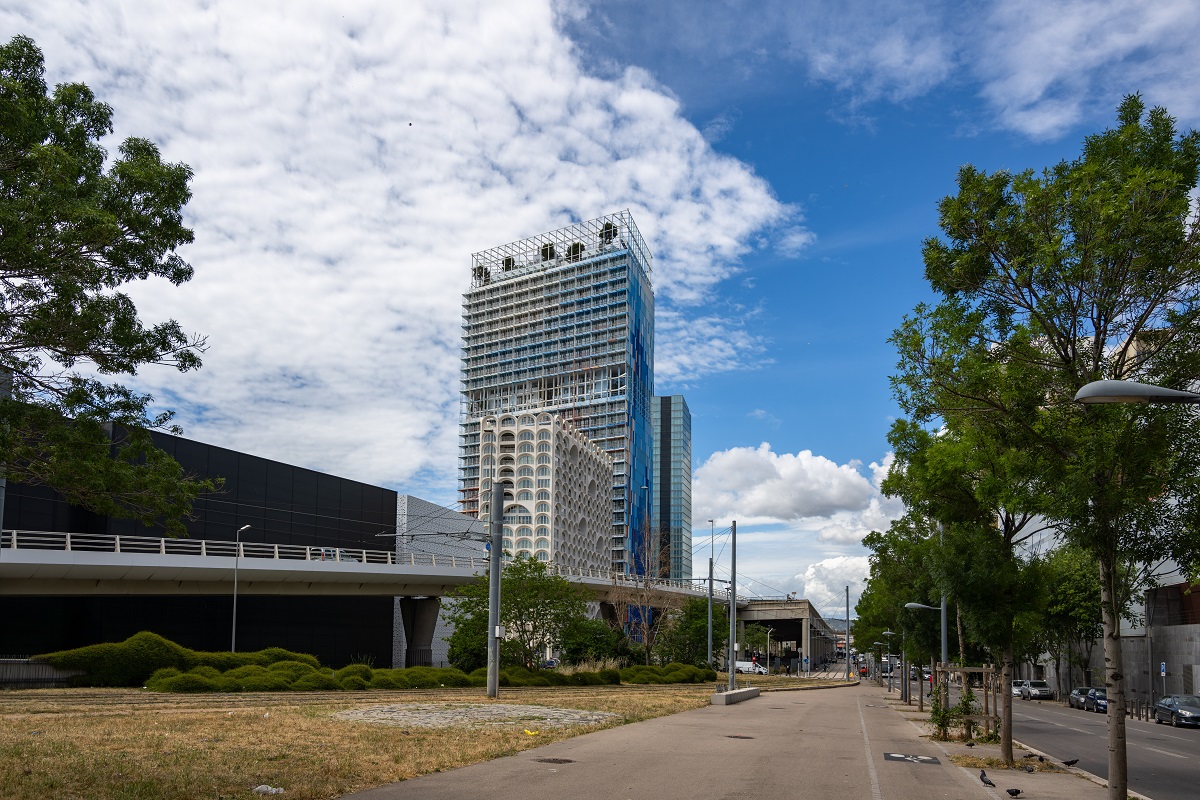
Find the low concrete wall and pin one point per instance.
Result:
(736, 696)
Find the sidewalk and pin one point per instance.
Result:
(852, 743)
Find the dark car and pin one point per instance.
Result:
(1096, 700)
(1178, 709)
(1075, 698)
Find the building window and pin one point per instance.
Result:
(542, 555)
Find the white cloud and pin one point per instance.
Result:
(348, 161)
(824, 583)
(1040, 66)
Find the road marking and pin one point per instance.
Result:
(876, 794)
(1165, 752)
(910, 759)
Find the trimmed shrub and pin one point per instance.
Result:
(354, 683)
(610, 676)
(381, 680)
(264, 681)
(357, 670)
(187, 682)
(161, 675)
(133, 661)
(293, 670)
(241, 673)
(207, 672)
(315, 682)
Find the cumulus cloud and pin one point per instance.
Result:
(800, 491)
(348, 161)
(824, 583)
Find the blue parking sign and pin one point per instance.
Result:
(1162, 670)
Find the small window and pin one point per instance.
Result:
(542, 555)
(543, 544)
(524, 544)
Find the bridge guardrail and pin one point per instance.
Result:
(109, 543)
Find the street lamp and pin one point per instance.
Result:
(712, 533)
(237, 549)
(769, 632)
(891, 666)
(1098, 392)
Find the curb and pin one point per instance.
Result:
(1082, 773)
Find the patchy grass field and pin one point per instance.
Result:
(137, 745)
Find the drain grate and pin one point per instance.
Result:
(555, 760)
(738, 736)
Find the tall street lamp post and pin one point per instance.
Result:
(1098, 392)
(712, 533)
(237, 551)
(891, 666)
(945, 641)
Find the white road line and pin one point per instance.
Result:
(1165, 752)
(876, 794)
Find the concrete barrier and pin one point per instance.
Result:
(736, 696)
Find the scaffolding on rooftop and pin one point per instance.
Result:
(607, 234)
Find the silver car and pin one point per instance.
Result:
(1036, 690)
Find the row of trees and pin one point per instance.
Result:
(1045, 282)
(542, 612)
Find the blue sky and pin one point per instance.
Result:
(784, 161)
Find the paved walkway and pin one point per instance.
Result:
(853, 743)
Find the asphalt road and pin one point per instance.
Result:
(1162, 760)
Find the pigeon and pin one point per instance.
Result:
(1013, 792)
(1041, 758)
(970, 744)
(1028, 768)
(1029, 755)
(1071, 763)
(985, 779)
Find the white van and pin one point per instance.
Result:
(750, 667)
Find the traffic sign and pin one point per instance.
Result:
(1162, 670)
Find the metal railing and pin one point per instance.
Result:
(153, 545)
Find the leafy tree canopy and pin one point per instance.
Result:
(72, 232)
(536, 607)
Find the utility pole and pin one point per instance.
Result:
(712, 532)
(495, 631)
(847, 634)
(731, 660)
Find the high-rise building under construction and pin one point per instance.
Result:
(563, 322)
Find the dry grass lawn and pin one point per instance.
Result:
(97, 744)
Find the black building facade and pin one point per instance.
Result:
(283, 504)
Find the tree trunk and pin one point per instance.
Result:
(962, 648)
(1114, 681)
(1006, 667)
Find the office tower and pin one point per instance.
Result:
(672, 517)
(564, 516)
(563, 322)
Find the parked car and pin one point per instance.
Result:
(1016, 688)
(1096, 700)
(1036, 690)
(1178, 709)
(1075, 698)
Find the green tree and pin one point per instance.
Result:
(1072, 621)
(684, 637)
(592, 640)
(1048, 281)
(535, 608)
(72, 233)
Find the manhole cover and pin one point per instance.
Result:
(738, 736)
(555, 760)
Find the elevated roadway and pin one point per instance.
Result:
(39, 563)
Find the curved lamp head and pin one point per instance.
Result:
(1131, 392)
(922, 605)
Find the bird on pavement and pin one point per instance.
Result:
(985, 779)
(1028, 768)
(1071, 763)
(970, 744)
(1013, 792)
(1029, 755)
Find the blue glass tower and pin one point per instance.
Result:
(671, 521)
(564, 322)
